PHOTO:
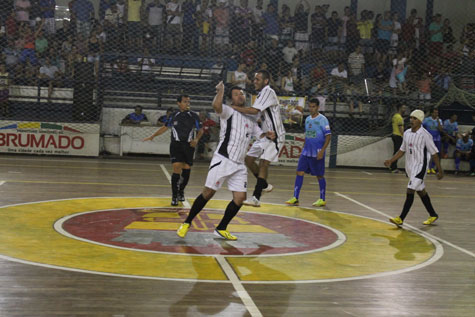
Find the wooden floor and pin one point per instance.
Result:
(428, 271)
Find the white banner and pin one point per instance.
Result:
(290, 152)
(24, 137)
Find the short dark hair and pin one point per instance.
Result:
(180, 98)
(230, 92)
(315, 101)
(170, 109)
(265, 74)
(138, 107)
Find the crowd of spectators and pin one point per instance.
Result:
(307, 50)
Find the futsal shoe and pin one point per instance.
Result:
(181, 196)
(430, 220)
(225, 235)
(397, 221)
(268, 189)
(183, 230)
(174, 201)
(252, 202)
(292, 201)
(319, 203)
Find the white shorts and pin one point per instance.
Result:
(266, 149)
(416, 184)
(222, 170)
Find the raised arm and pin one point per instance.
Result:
(218, 99)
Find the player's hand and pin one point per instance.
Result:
(271, 135)
(193, 143)
(320, 154)
(147, 139)
(440, 174)
(387, 163)
(220, 86)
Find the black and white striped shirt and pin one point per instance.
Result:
(235, 134)
(268, 104)
(419, 147)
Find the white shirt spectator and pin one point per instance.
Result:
(147, 63)
(173, 19)
(289, 53)
(238, 76)
(355, 63)
(335, 72)
(49, 71)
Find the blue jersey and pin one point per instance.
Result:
(451, 128)
(316, 129)
(464, 147)
(432, 126)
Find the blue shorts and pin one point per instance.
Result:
(311, 165)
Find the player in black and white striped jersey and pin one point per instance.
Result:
(227, 164)
(419, 147)
(267, 106)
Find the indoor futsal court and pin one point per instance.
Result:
(96, 237)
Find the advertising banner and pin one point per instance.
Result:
(24, 137)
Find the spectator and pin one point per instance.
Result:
(242, 18)
(365, 27)
(217, 69)
(146, 62)
(83, 12)
(436, 36)
(29, 38)
(48, 8)
(136, 117)
(334, 31)
(121, 65)
(433, 125)
(339, 79)
(209, 129)
(448, 37)
(275, 56)
(385, 31)
(287, 24)
(302, 11)
(63, 33)
(221, 16)
(41, 44)
(249, 55)
(67, 46)
(344, 22)
(22, 8)
(408, 30)
(451, 129)
(205, 15)
(95, 49)
(11, 27)
(356, 66)
(190, 28)
(50, 74)
(319, 24)
(111, 26)
(271, 23)
(287, 83)
(352, 34)
(443, 79)
(134, 25)
(463, 150)
(155, 15)
(398, 74)
(289, 52)
(162, 120)
(318, 79)
(239, 77)
(395, 33)
(424, 88)
(4, 89)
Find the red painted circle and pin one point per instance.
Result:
(155, 230)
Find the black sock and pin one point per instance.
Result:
(256, 175)
(407, 205)
(198, 205)
(175, 180)
(261, 184)
(185, 176)
(426, 201)
(231, 211)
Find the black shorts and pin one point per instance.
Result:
(181, 152)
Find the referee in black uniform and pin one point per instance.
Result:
(183, 123)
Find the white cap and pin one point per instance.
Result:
(418, 114)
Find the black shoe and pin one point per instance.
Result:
(181, 196)
(174, 201)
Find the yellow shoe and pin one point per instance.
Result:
(225, 235)
(430, 220)
(433, 171)
(292, 201)
(182, 231)
(397, 221)
(428, 171)
(319, 203)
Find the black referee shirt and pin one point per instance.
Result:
(183, 125)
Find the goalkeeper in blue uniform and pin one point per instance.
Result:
(312, 159)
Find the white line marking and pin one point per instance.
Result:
(422, 233)
(2, 182)
(367, 173)
(14, 172)
(243, 294)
